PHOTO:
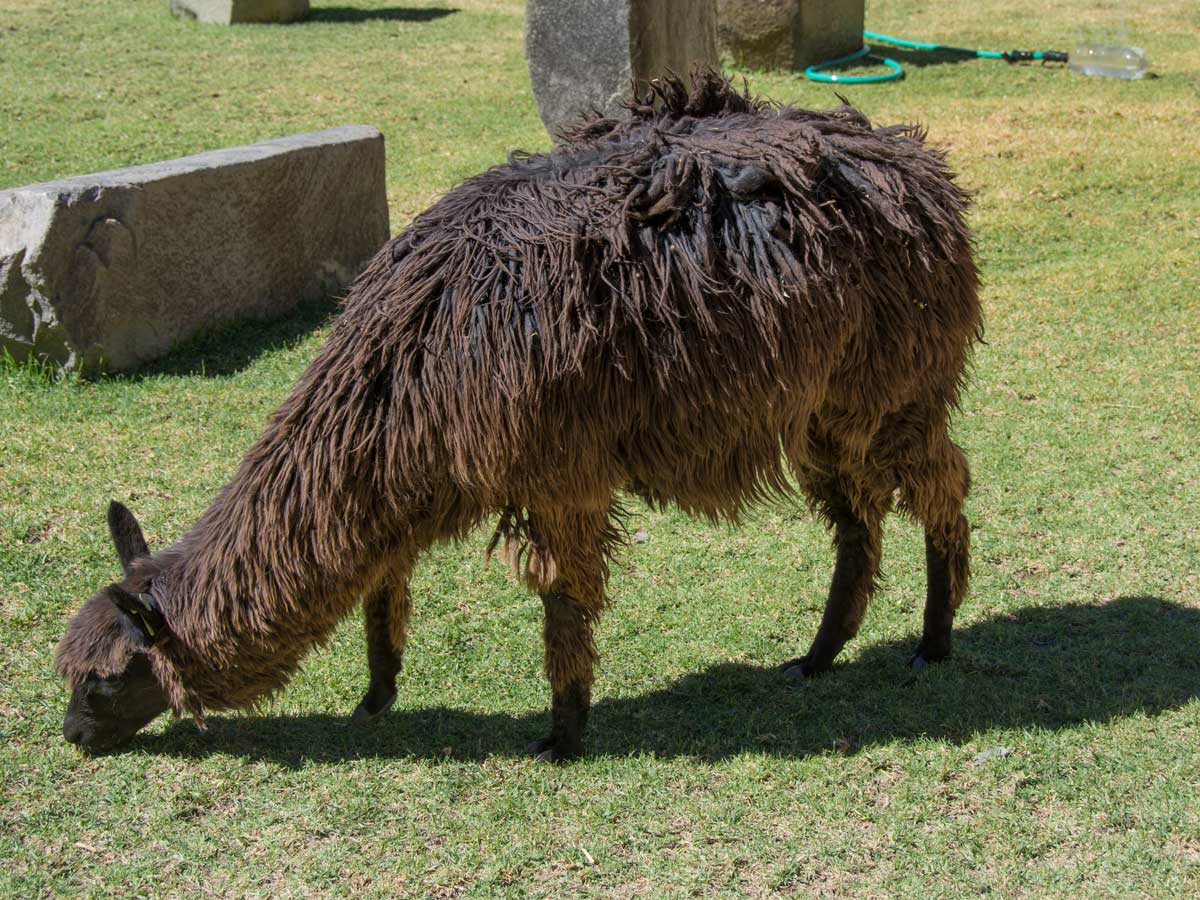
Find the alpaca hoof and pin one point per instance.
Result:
(922, 658)
(367, 711)
(801, 669)
(547, 750)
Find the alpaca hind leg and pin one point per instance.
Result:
(565, 560)
(934, 491)
(858, 539)
(386, 613)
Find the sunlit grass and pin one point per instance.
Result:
(1079, 649)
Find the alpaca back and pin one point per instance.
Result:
(668, 292)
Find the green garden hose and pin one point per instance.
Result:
(895, 70)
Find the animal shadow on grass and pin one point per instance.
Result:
(232, 347)
(1038, 667)
(353, 14)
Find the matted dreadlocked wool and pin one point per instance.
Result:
(688, 303)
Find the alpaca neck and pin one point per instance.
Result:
(279, 558)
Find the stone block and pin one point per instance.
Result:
(586, 54)
(234, 12)
(789, 34)
(107, 271)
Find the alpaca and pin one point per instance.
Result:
(711, 302)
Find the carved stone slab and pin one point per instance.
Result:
(233, 12)
(113, 269)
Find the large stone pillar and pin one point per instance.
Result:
(586, 54)
(789, 34)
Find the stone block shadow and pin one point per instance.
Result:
(920, 59)
(1049, 667)
(352, 14)
(232, 346)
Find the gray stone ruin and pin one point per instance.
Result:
(585, 54)
(234, 12)
(789, 34)
(107, 271)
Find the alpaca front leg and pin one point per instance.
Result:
(570, 658)
(563, 555)
(386, 612)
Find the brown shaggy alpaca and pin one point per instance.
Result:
(687, 304)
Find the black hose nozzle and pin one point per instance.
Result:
(1013, 56)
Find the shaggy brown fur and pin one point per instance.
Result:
(663, 304)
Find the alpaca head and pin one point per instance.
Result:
(105, 654)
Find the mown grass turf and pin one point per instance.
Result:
(1078, 651)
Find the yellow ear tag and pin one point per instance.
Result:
(146, 601)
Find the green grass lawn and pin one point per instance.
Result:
(1078, 650)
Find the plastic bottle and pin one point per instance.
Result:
(1109, 60)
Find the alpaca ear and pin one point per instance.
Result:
(142, 611)
(127, 535)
